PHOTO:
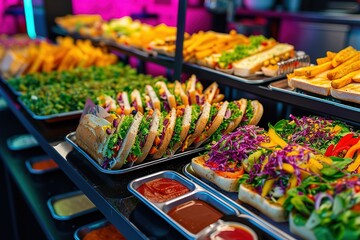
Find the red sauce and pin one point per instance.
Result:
(233, 232)
(162, 189)
(44, 164)
(195, 215)
(108, 232)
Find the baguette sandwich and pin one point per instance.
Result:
(180, 95)
(249, 65)
(224, 163)
(217, 114)
(166, 97)
(225, 60)
(212, 93)
(194, 91)
(165, 134)
(122, 99)
(92, 135)
(199, 127)
(136, 101)
(253, 113)
(109, 144)
(152, 100)
(144, 140)
(232, 118)
(182, 127)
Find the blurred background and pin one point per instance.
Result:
(314, 26)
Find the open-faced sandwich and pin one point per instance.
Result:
(269, 178)
(225, 162)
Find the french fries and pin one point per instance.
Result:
(312, 71)
(349, 66)
(67, 54)
(345, 80)
(322, 60)
(343, 56)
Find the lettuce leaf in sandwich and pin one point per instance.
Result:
(233, 111)
(116, 139)
(140, 138)
(195, 113)
(249, 114)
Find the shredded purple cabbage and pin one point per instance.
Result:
(315, 130)
(235, 147)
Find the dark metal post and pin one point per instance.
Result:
(181, 19)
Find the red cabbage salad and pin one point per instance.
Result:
(229, 152)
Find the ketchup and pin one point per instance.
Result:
(44, 164)
(162, 189)
(233, 232)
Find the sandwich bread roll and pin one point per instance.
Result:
(249, 65)
(92, 134)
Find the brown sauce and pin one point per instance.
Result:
(195, 215)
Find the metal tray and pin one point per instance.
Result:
(255, 79)
(6, 82)
(82, 231)
(30, 162)
(52, 200)
(71, 138)
(279, 230)
(282, 86)
(196, 192)
(53, 117)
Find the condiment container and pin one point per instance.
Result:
(233, 227)
(100, 230)
(41, 165)
(185, 209)
(70, 205)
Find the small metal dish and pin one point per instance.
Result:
(66, 200)
(30, 165)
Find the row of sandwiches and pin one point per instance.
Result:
(162, 96)
(124, 140)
